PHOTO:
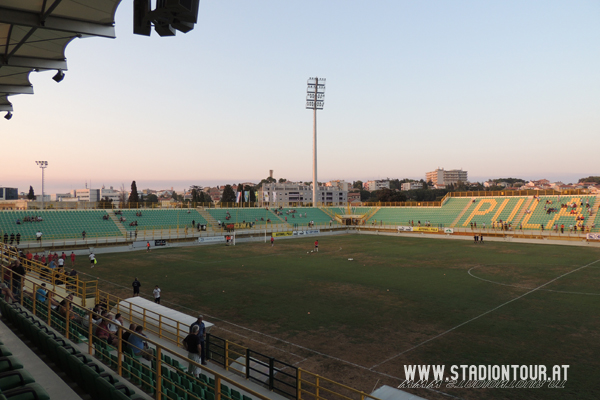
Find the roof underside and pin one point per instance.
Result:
(35, 33)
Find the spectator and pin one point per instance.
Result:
(192, 344)
(66, 307)
(83, 235)
(18, 273)
(5, 238)
(156, 293)
(126, 334)
(41, 293)
(7, 293)
(138, 345)
(136, 287)
(201, 336)
(103, 333)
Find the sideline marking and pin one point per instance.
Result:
(481, 315)
(525, 287)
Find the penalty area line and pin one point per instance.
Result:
(481, 315)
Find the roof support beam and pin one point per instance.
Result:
(16, 89)
(32, 20)
(33, 62)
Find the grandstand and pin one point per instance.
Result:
(161, 219)
(527, 213)
(58, 224)
(36, 319)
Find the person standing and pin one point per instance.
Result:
(136, 287)
(201, 336)
(192, 344)
(316, 246)
(147, 247)
(272, 240)
(156, 293)
(72, 259)
(92, 259)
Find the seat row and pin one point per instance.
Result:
(15, 382)
(82, 368)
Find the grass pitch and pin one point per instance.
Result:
(399, 301)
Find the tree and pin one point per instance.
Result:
(105, 202)
(268, 179)
(252, 196)
(204, 197)
(590, 179)
(228, 195)
(389, 196)
(134, 198)
(151, 198)
(282, 180)
(122, 196)
(365, 195)
(357, 185)
(395, 184)
(31, 195)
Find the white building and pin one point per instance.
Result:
(444, 177)
(412, 185)
(376, 185)
(61, 197)
(289, 194)
(342, 185)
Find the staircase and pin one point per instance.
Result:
(328, 212)
(370, 214)
(212, 223)
(521, 213)
(596, 206)
(114, 218)
(460, 215)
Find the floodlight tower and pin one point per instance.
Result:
(315, 98)
(43, 165)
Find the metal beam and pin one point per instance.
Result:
(16, 89)
(34, 63)
(32, 20)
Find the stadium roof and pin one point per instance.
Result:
(35, 33)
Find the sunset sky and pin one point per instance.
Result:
(497, 88)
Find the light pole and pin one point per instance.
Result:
(315, 98)
(43, 165)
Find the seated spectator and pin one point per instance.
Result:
(126, 334)
(66, 306)
(41, 294)
(138, 345)
(103, 333)
(7, 293)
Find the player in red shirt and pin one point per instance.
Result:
(72, 259)
(272, 241)
(317, 246)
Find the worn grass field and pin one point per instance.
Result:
(400, 301)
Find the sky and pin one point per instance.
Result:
(497, 88)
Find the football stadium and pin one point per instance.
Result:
(386, 287)
(477, 295)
